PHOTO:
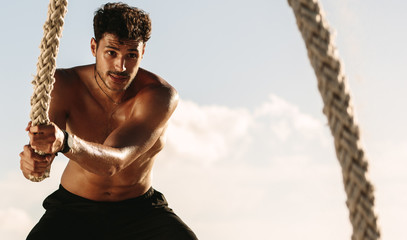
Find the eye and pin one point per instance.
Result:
(133, 55)
(111, 53)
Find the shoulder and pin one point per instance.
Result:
(155, 87)
(154, 93)
(63, 93)
(72, 76)
(69, 85)
(71, 80)
(63, 82)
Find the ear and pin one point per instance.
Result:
(93, 46)
(144, 49)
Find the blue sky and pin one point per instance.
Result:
(249, 153)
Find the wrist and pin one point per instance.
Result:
(66, 144)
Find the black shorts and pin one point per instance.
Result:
(69, 216)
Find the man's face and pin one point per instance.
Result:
(117, 61)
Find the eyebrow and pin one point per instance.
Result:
(116, 48)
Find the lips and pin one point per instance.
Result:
(118, 79)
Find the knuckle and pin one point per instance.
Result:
(36, 167)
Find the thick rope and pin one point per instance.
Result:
(338, 109)
(46, 66)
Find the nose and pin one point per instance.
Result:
(120, 65)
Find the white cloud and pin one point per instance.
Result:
(205, 134)
(286, 119)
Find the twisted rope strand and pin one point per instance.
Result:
(333, 86)
(44, 80)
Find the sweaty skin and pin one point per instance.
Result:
(117, 114)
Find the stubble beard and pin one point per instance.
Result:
(102, 77)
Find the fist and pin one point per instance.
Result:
(47, 139)
(34, 164)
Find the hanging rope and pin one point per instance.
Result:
(46, 66)
(338, 109)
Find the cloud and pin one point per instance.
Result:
(205, 134)
(286, 120)
(208, 134)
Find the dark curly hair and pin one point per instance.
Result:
(122, 20)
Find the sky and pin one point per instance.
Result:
(249, 153)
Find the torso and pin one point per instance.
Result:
(92, 121)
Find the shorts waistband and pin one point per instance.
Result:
(67, 196)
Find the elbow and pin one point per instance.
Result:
(109, 173)
(116, 165)
(112, 170)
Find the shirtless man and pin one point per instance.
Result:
(109, 119)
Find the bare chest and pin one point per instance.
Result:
(94, 122)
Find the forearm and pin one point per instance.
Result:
(100, 159)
